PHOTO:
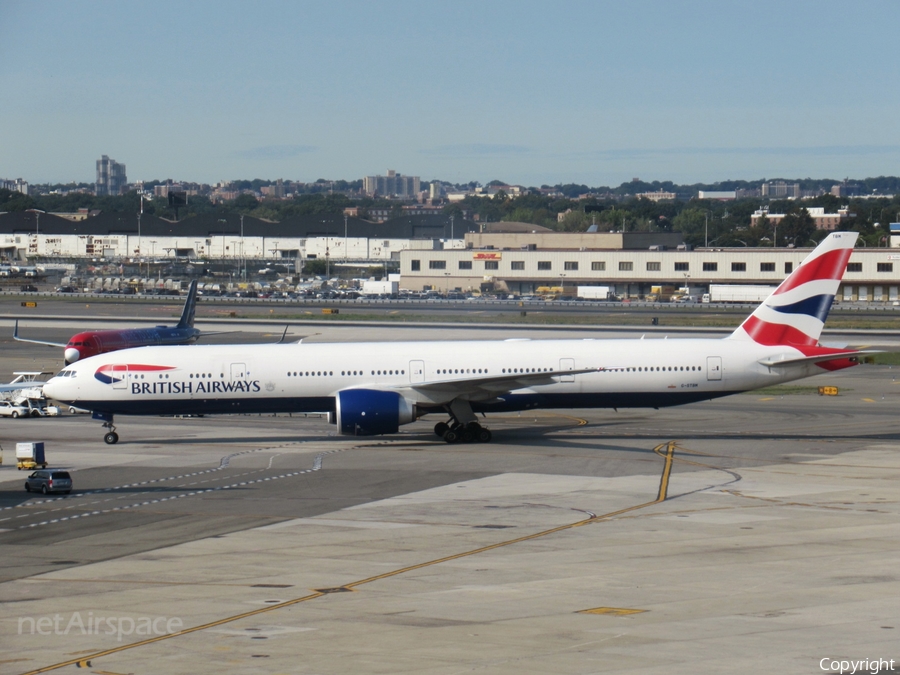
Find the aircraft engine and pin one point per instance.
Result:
(369, 412)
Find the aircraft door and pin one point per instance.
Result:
(713, 368)
(564, 365)
(119, 375)
(238, 371)
(416, 372)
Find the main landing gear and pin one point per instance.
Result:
(462, 427)
(454, 432)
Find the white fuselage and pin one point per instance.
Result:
(307, 377)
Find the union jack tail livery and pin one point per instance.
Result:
(793, 316)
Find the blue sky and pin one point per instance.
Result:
(525, 92)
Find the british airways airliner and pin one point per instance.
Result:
(374, 388)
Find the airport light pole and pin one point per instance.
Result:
(37, 220)
(243, 263)
(346, 254)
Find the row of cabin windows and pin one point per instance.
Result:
(344, 373)
(655, 369)
(461, 371)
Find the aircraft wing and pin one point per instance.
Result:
(37, 342)
(487, 386)
(787, 360)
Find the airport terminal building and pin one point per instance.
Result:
(629, 263)
(434, 251)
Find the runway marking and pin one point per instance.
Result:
(768, 398)
(869, 400)
(317, 465)
(223, 464)
(670, 448)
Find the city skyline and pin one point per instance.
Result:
(588, 93)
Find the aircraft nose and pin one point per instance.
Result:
(51, 390)
(71, 355)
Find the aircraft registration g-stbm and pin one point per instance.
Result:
(375, 387)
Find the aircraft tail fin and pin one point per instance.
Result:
(794, 314)
(190, 306)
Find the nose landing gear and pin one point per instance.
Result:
(110, 437)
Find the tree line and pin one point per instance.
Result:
(700, 221)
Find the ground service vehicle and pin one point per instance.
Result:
(660, 293)
(593, 293)
(737, 293)
(49, 480)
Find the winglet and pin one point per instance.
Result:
(190, 306)
(36, 342)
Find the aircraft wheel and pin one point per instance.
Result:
(450, 436)
(441, 428)
(111, 438)
(467, 435)
(484, 435)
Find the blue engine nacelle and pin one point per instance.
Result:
(369, 412)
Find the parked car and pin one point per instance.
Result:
(29, 288)
(49, 480)
(9, 409)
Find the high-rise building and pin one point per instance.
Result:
(17, 185)
(110, 177)
(392, 185)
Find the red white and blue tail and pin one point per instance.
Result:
(795, 313)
